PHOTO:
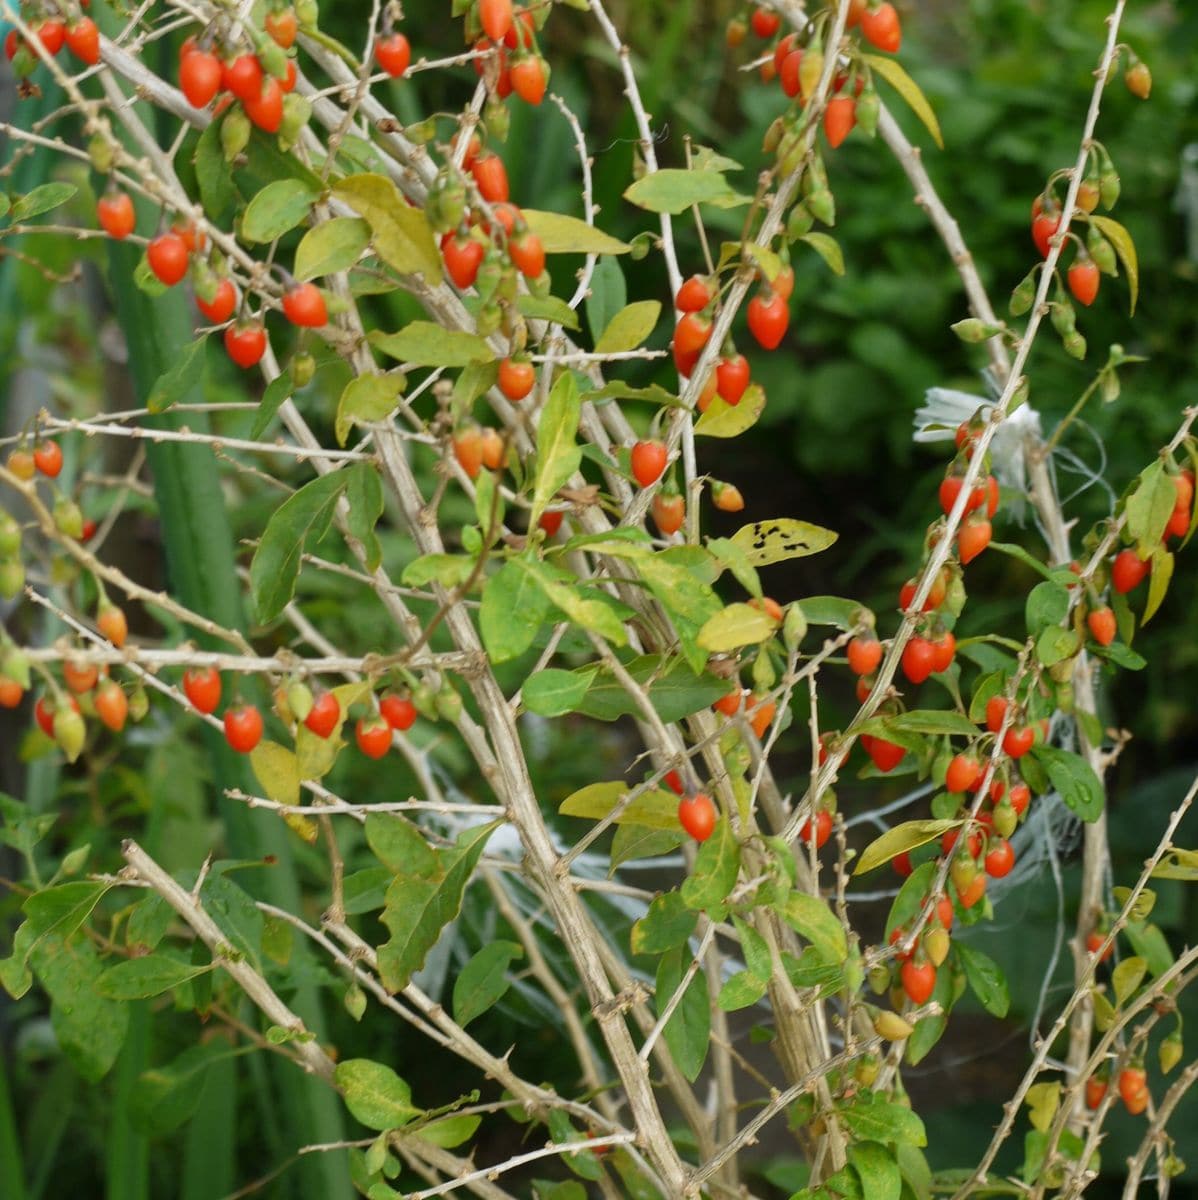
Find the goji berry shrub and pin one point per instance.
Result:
(526, 528)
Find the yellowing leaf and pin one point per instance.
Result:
(1118, 236)
(909, 90)
(736, 625)
(655, 809)
(568, 235)
(674, 190)
(1043, 1099)
(277, 773)
(401, 234)
(330, 247)
(366, 398)
(426, 344)
(828, 248)
(904, 837)
(629, 327)
(724, 420)
(774, 541)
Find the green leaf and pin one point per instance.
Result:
(674, 190)
(401, 847)
(1151, 945)
(828, 248)
(1127, 977)
(877, 1170)
(715, 869)
(655, 809)
(1149, 508)
(735, 626)
(1043, 1101)
(735, 558)
(278, 207)
(724, 420)
(1047, 604)
(59, 911)
(277, 391)
(1125, 248)
(675, 691)
(364, 492)
(375, 1094)
(90, 1028)
(780, 539)
(554, 692)
(1074, 779)
(401, 234)
(634, 841)
(931, 721)
(484, 980)
(137, 978)
(1158, 582)
(688, 1031)
(558, 455)
(560, 234)
(41, 199)
(214, 176)
(741, 990)
(547, 308)
(419, 907)
(608, 295)
(426, 344)
(303, 518)
(884, 1121)
(811, 917)
(911, 896)
(909, 90)
(167, 1096)
(756, 952)
(666, 926)
(831, 610)
(1178, 864)
(332, 246)
(449, 1131)
(514, 607)
(907, 836)
(629, 327)
(449, 570)
(593, 614)
(986, 979)
(173, 385)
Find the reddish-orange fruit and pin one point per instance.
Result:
(950, 489)
(551, 522)
(789, 73)
(765, 22)
(885, 755)
(242, 76)
(496, 17)
(970, 892)
(864, 653)
(732, 378)
(839, 118)
(112, 705)
(902, 864)
(463, 256)
(114, 212)
(1018, 740)
(398, 711)
(726, 497)
(47, 457)
(1084, 277)
(694, 295)
(324, 714)
(1000, 859)
(266, 108)
(1128, 571)
(493, 449)
(110, 621)
(287, 83)
(784, 283)
(973, 843)
(691, 334)
(516, 378)
(673, 781)
(820, 832)
(1102, 625)
(1044, 227)
(20, 463)
(935, 597)
(944, 912)
(1096, 1090)
(11, 692)
(1094, 941)
(52, 34)
(918, 979)
(83, 41)
(963, 772)
(1132, 1083)
(946, 651)
(856, 12)
(468, 450)
(763, 713)
(527, 255)
(1138, 79)
(304, 305)
(669, 511)
(373, 736)
(223, 303)
(882, 28)
(729, 705)
(243, 728)
(972, 538)
(528, 78)
(523, 31)
(282, 25)
(769, 606)
(167, 256)
(200, 77)
(769, 317)
(79, 676)
(201, 685)
(245, 344)
(697, 815)
(996, 710)
(193, 238)
(919, 659)
(648, 461)
(394, 54)
(490, 176)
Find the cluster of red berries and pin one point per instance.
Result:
(511, 35)
(79, 35)
(1132, 1085)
